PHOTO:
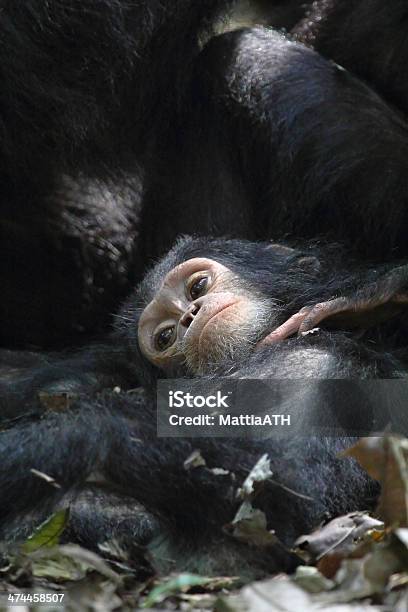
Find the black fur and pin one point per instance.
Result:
(78, 98)
(254, 136)
(94, 436)
(343, 30)
(283, 14)
(113, 435)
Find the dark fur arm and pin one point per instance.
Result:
(342, 30)
(330, 147)
(196, 502)
(65, 446)
(27, 380)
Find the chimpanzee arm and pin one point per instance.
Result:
(332, 160)
(370, 304)
(58, 460)
(65, 446)
(31, 384)
(309, 479)
(116, 437)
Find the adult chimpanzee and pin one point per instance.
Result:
(344, 30)
(253, 136)
(207, 308)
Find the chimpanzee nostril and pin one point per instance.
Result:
(188, 317)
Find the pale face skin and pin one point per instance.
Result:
(199, 317)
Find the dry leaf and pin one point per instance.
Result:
(386, 460)
(339, 535)
(259, 473)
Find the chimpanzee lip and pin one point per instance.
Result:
(210, 319)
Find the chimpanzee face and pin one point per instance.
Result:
(201, 316)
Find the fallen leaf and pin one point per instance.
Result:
(48, 533)
(177, 584)
(311, 580)
(339, 535)
(259, 473)
(195, 460)
(49, 479)
(219, 472)
(250, 526)
(386, 460)
(70, 562)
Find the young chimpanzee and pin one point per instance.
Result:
(207, 309)
(209, 305)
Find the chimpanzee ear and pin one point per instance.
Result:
(307, 263)
(281, 249)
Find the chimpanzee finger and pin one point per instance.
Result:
(287, 329)
(371, 304)
(319, 312)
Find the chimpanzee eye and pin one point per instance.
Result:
(198, 287)
(165, 338)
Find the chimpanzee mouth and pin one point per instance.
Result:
(213, 316)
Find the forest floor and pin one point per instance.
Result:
(355, 562)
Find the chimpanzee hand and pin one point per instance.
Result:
(373, 303)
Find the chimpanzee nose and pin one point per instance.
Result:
(188, 317)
